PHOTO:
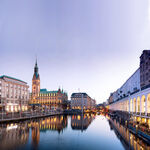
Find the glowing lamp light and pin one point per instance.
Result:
(12, 108)
(79, 117)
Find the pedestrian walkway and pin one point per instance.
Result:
(6, 117)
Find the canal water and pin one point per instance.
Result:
(76, 132)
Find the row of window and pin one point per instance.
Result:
(46, 95)
(43, 101)
(17, 96)
(14, 102)
(15, 86)
(79, 102)
(16, 93)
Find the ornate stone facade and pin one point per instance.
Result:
(43, 97)
(82, 100)
(14, 94)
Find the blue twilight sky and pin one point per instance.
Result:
(93, 45)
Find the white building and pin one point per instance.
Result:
(14, 94)
(134, 96)
(82, 100)
(132, 85)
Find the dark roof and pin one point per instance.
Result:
(4, 76)
(73, 94)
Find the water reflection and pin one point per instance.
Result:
(56, 123)
(13, 135)
(129, 140)
(81, 122)
(63, 132)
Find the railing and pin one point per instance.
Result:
(26, 115)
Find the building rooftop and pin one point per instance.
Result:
(4, 76)
(73, 94)
(44, 91)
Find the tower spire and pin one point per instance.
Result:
(36, 80)
(36, 61)
(36, 73)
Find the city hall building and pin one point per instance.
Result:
(43, 97)
(14, 94)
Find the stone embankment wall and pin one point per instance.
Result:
(121, 114)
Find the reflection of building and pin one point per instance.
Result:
(14, 94)
(44, 97)
(57, 123)
(81, 122)
(82, 100)
(129, 140)
(35, 135)
(13, 135)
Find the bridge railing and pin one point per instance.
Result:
(27, 114)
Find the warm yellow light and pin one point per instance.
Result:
(12, 108)
(79, 117)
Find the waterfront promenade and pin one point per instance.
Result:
(6, 117)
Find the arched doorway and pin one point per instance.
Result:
(148, 104)
(143, 104)
(138, 105)
(134, 105)
(131, 110)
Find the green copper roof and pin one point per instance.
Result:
(44, 91)
(3, 76)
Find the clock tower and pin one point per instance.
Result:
(35, 82)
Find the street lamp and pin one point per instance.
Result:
(20, 107)
(82, 101)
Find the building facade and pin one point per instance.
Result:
(35, 82)
(137, 101)
(82, 100)
(14, 94)
(131, 86)
(145, 69)
(43, 97)
(111, 98)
